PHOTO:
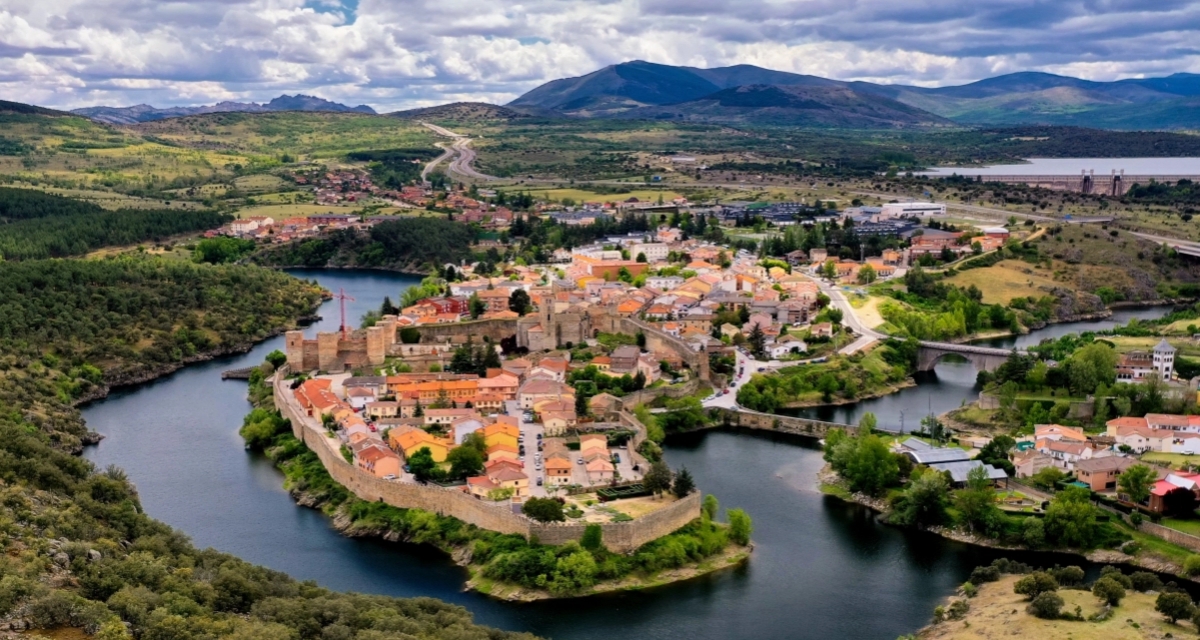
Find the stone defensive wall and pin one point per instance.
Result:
(656, 340)
(631, 400)
(497, 330)
(625, 537)
(620, 537)
(783, 424)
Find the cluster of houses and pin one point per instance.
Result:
(337, 187)
(1097, 460)
(385, 420)
(267, 229)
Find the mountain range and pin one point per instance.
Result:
(750, 94)
(147, 113)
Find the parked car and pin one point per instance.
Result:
(579, 461)
(539, 482)
(762, 368)
(617, 458)
(390, 476)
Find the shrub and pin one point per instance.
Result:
(1108, 590)
(1109, 571)
(981, 575)
(1136, 519)
(958, 610)
(544, 510)
(969, 590)
(1068, 576)
(1033, 532)
(1191, 566)
(1035, 584)
(1047, 605)
(1145, 581)
(1174, 606)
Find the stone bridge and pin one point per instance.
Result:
(984, 358)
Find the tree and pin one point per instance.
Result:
(1047, 478)
(710, 506)
(834, 315)
(658, 478)
(519, 302)
(758, 342)
(977, 502)
(277, 358)
(924, 502)
(1071, 518)
(477, 306)
(976, 248)
(740, 526)
(867, 424)
(422, 466)
(1109, 591)
(1136, 482)
(593, 538)
(388, 308)
(995, 453)
(866, 463)
(465, 462)
(829, 270)
(1047, 605)
(476, 441)
(1033, 584)
(544, 510)
(1174, 605)
(641, 257)
(866, 274)
(683, 483)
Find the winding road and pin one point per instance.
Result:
(461, 151)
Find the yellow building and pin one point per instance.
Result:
(500, 433)
(413, 441)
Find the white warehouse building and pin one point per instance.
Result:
(902, 209)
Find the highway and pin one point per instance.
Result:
(460, 149)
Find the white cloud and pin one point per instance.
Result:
(395, 54)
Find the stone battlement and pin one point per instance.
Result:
(621, 537)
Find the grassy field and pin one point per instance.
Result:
(1006, 280)
(1176, 460)
(997, 612)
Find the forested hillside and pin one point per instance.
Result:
(74, 235)
(43, 225)
(411, 244)
(79, 552)
(27, 204)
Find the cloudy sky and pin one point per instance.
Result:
(395, 54)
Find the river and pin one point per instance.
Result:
(821, 568)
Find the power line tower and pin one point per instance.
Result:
(342, 297)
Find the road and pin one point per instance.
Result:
(460, 149)
(867, 336)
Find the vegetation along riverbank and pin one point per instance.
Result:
(864, 468)
(504, 566)
(79, 551)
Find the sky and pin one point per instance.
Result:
(396, 54)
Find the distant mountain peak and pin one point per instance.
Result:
(147, 113)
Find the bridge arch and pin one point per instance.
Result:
(983, 358)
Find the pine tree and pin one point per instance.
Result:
(683, 483)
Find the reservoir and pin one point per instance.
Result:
(821, 568)
(1072, 167)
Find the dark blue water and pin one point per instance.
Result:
(821, 568)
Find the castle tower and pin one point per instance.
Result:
(375, 345)
(1164, 359)
(295, 350)
(327, 350)
(389, 331)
